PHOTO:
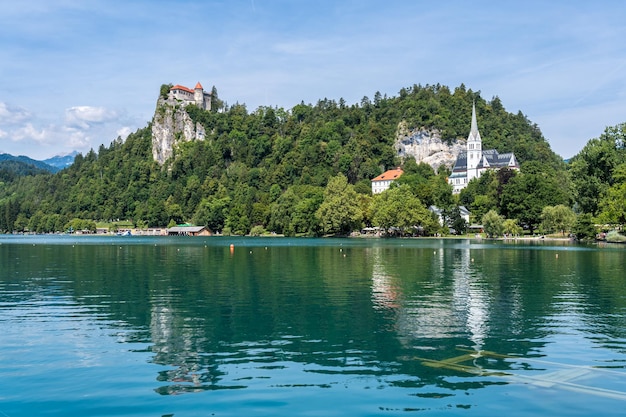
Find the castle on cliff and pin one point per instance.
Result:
(197, 96)
(474, 161)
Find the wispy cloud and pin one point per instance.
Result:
(31, 133)
(82, 128)
(10, 115)
(85, 116)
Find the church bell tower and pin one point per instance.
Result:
(474, 148)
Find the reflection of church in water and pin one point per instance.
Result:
(444, 309)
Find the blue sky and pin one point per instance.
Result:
(76, 74)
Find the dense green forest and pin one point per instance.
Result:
(307, 171)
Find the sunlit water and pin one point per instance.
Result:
(129, 326)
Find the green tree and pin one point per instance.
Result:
(612, 206)
(21, 223)
(526, 194)
(295, 210)
(511, 228)
(174, 211)
(592, 168)
(584, 229)
(339, 213)
(557, 218)
(493, 224)
(481, 194)
(212, 212)
(398, 208)
(457, 222)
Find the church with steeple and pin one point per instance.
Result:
(474, 161)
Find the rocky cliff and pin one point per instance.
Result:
(170, 125)
(427, 146)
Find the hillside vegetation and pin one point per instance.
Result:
(284, 171)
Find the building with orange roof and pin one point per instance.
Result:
(186, 95)
(384, 180)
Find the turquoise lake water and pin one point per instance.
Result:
(134, 326)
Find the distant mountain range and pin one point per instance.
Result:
(61, 161)
(54, 164)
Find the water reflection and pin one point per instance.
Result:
(357, 315)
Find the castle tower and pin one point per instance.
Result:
(198, 95)
(474, 148)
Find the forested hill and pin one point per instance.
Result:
(23, 165)
(264, 168)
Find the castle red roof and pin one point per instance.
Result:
(182, 87)
(199, 86)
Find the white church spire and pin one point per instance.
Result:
(474, 148)
(474, 134)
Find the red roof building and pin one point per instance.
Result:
(197, 96)
(384, 180)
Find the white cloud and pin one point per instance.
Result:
(30, 132)
(84, 116)
(73, 138)
(82, 128)
(124, 131)
(11, 114)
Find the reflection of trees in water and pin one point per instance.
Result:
(312, 302)
(371, 311)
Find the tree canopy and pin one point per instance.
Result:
(307, 171)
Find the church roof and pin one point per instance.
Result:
(392, 174)
(496, 160)
(461, 162)
(491, 159)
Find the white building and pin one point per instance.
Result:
(474, 161)
(384, 180)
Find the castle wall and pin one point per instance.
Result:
(202, 99)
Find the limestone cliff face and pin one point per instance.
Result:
(427, 146)
(170, 125)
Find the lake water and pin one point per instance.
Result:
(134, 326)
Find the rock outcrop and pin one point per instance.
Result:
(426, 146)
(170, 125)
